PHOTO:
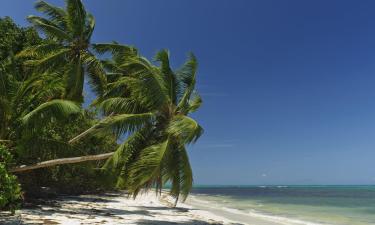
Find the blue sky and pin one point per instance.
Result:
(288, 86)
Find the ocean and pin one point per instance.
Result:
(295, 205)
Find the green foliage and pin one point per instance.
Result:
(36, 123)
(13, 38)
(68, 50)
(10, 191)
(51, 143)
(151, 103)
(21, 91)
(54, 109)
(41, 93)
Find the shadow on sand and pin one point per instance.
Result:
(90, 210)
(189, 222)
(177, 209)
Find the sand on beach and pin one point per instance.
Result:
(116, 208)
(112, 209)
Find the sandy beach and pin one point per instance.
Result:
(112, 208)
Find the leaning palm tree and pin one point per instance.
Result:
(150, 105)
(67, 48)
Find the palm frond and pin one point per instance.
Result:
(186, 174)
(176, 171)
(51, 61)
(186, 76)
(40, 51)
(194, 103)
(124, 123)
(121, 105)
(145, 82)
(116, 89)
(118, 124)
(115, 49)
(126, 150)
(74, 75)
(49, 111)
(89, 27)
(146, 171)
(55, 14)
(96, 72)
(49, 28)
(147, 92)
(168, 75)
(49, 86)
(185, 129)
(76, 17)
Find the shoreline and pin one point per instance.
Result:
(113, 208)
(146, 209)
(242, 217)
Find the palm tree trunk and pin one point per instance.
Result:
(81, 135)
(88, 131)
(61, 161)
(72, 160)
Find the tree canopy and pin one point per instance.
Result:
(43, 125)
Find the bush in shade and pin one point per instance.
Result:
(10, 191)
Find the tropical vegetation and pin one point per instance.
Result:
(143, 105)
(10, 191)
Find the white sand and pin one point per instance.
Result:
(113, 209)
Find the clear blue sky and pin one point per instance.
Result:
(288, 86)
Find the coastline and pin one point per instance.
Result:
(113, 208)
(146, 209)
(241, 217)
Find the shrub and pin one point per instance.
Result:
(10, 190)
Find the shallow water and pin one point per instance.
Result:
(308, 205)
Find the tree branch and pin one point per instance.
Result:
(62, 161)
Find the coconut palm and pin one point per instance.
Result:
(67, 47)
(150, 104)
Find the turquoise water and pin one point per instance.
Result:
(344, 205)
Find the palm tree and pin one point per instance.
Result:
(67, 47)
(150, 104)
